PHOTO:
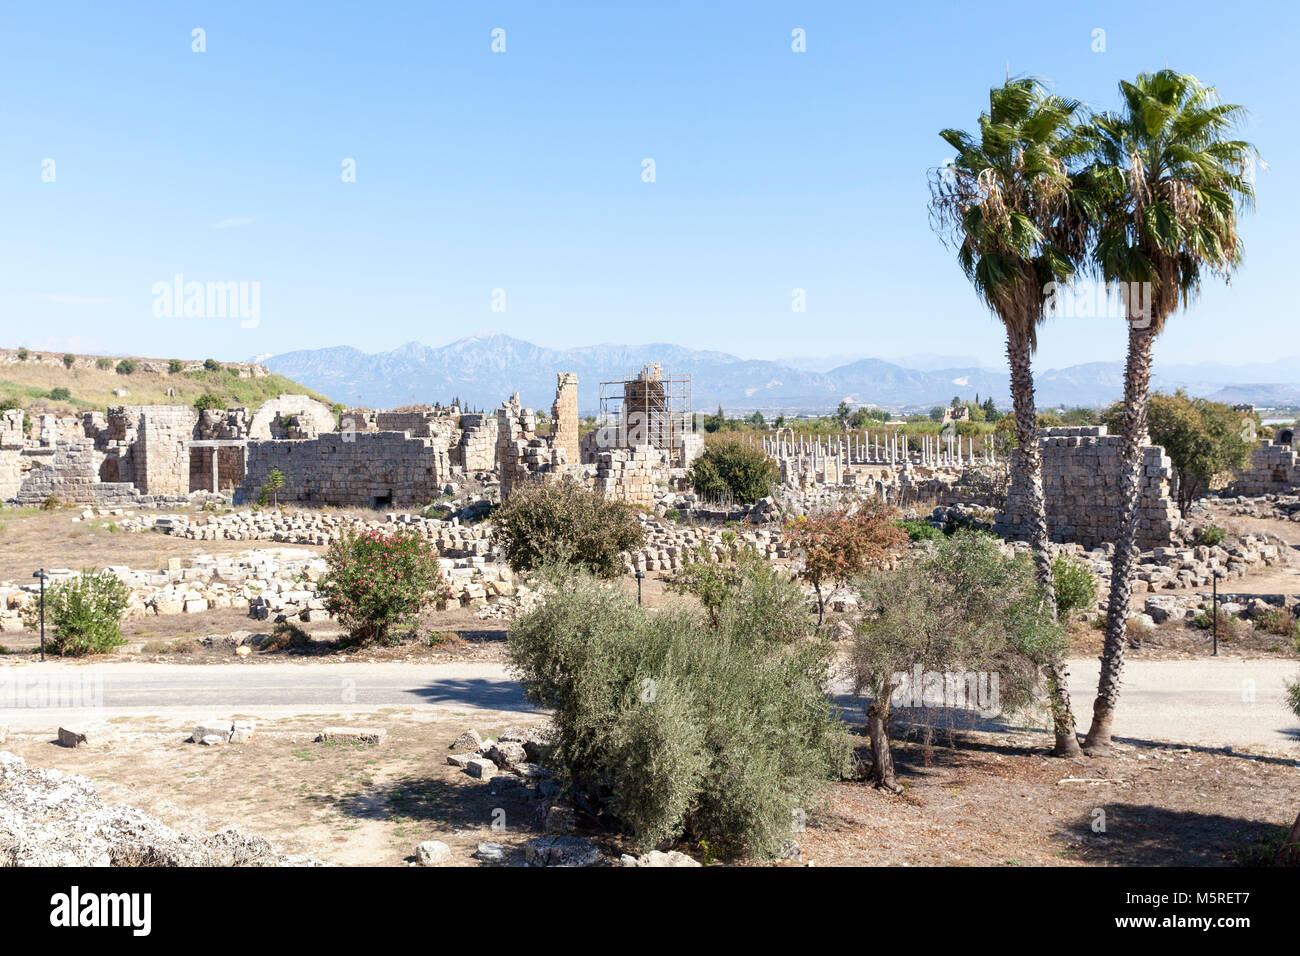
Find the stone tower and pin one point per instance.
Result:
(564, 415)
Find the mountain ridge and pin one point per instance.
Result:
(487, 367)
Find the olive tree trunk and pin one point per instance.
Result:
(1028, 476)
(1137, 380)
(882, 761)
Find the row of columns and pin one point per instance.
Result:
(868, 449)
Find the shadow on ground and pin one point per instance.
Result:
(1143, 835)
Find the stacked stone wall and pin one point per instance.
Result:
(1081, 485)
(350, 470)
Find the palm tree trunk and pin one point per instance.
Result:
(1137, 379)
(1029, 478)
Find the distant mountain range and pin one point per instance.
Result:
(486, 368)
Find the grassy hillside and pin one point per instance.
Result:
(30, 384)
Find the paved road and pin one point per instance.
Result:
(41, 696)
(1212, 703)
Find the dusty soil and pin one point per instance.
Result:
(999, 800)
(354, 804)
(451, 635)
(1170, 641)
(32, 539)
(994, 800)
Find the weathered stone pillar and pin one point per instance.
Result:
(564, 416)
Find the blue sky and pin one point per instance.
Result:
(522, 171)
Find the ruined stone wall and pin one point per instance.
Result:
(161, 462)
(11, 446)
(1273, 469)
(1081, 484)
(629, 474)
(356, 470)
(564, 416)
(275, 417)
(476, 451)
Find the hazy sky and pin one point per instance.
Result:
(523, 171)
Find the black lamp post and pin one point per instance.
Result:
(1217, 576)
(640, 576)
(42, 576)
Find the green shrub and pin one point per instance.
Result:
(86, 613)
(126, 367)
(965, 607)
(1293, 696)
(561, 522)
(271, 488)
(744, 590)
(51, 503)
(68, 360)
(679, 728)
(920, 530)
(1210, 535)
(1075, 586)
(672, 514)
(734, 468)
(375, 582)
(1281, 622)
(209, 402)
(175, 367)
(22, 355)
(211, 365)
(103, 364)
(60, 394)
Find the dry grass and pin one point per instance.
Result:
(92, 388)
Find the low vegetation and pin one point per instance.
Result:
(377, 582)
(677, 728)
(838, 545)
(735, 470)
(30, 384)
(964, 609)
(83, 615)
(561, 522)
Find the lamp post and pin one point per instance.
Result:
(640, 576)
(1217, 576)
(42, 576)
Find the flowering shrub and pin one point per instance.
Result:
(379, 581)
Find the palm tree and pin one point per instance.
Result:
(1168, 181)
(1006, 202)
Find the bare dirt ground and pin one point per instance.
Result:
(352, 804)
(998, 800)
(32, 539)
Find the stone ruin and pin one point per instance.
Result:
(1273, 468)
(1081, 484)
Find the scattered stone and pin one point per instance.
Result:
(659, 858)
(51, 818)
(212, 728)
(561, 851)
(242, 732)
(491, 853)
(461, 760)
(94, 735)
(557, 819)
(432, 852)
(480, 767)
(469, 740)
